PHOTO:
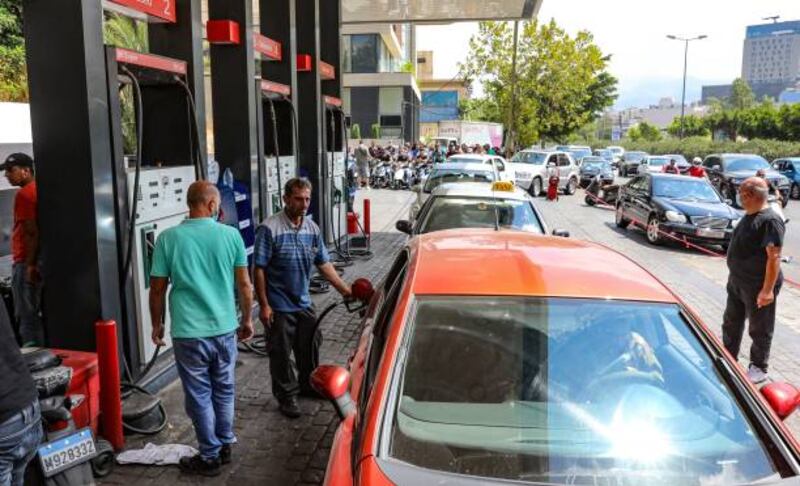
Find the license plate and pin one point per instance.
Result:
(711, 233)
(66, 452)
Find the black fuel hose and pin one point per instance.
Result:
(199, 163)
(274, 118)
(128, 386)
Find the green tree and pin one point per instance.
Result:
(762, 121)
(13, 73)
(742, 96)
(562, 82)
(693, 126)
(644, 132)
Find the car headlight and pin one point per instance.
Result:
(735, 222)
(675, 217)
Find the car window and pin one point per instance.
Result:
(472, 212)
(685, 189)
(535, 158)
(553, 159)
(444, 176)
(391, 287)
(579, 391)
(563, 160)
(638, 184)
(789, 166)
(751, 163)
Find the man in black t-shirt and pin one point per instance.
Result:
(20, 423)
(754, 262)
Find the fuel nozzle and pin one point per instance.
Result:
(362, 292)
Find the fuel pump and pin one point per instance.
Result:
(335, 176)
(278, 144)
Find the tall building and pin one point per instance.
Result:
(770, 61)
(380, 92)
(440, 97)
(772, 53)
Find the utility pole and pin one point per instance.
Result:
(686, 41)
(510, 140)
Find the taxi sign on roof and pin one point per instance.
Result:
(503, 186)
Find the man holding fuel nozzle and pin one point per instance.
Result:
(201, 259)
(288, 246)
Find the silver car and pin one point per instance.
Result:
(531, 169)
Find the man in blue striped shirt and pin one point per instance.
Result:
(288, 246)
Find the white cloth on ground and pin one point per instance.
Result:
(156, 455)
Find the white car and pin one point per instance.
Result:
(653, 163)
(498, 162)
(475, 205)
(452, 172)
(531, 170)
(618, 151)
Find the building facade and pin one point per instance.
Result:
(772, 53)
(380, 91)
(441, 98)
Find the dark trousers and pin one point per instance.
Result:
(298, 332)
(742, 305)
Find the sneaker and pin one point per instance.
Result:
(197, 465)
(290, 408)
(225, 454)
(756, 375)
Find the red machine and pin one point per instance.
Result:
(86, 383)
(552, 188)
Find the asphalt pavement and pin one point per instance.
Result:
(792, 243)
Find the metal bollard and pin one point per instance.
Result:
(366, 217)
(110, 395)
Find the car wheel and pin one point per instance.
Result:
(620, 219)
(653, 230)
(795, 194)
(572, 186)
(536, 187)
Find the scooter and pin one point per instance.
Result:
(608, 193)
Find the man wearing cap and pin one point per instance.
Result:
(25, 282)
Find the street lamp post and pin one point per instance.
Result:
(686, 41)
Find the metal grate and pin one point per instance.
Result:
(710, 222)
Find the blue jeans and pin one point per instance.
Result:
(207, 368)
(19, 437)
(27, 296)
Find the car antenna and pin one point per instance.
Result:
(496, 212)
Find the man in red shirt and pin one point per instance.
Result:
(26, 282)
(671, 167)
(697, 170)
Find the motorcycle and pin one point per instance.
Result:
(607, 193)
(402, 177)
(380, 176)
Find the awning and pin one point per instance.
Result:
(436, 11)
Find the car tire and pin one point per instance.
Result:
(795, 191)
(620, 219)
(571, 187)
(653, 230)
(535, 188)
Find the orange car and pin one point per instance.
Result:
(493, 357)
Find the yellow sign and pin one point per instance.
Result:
(503, 186)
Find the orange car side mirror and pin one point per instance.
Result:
(333, 383)
(783, 398)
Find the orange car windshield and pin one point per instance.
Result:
(568, 391)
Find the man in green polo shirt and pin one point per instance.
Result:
(201, 258)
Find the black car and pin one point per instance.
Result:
(685, 207)
(591, 167)
(630, 163)
(727, 172)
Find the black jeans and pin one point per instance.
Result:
(298, 332)
(742, 305)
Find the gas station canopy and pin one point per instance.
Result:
(436, 11)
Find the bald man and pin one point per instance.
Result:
(754, 261)
(201, 259)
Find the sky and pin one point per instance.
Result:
(648, 65)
